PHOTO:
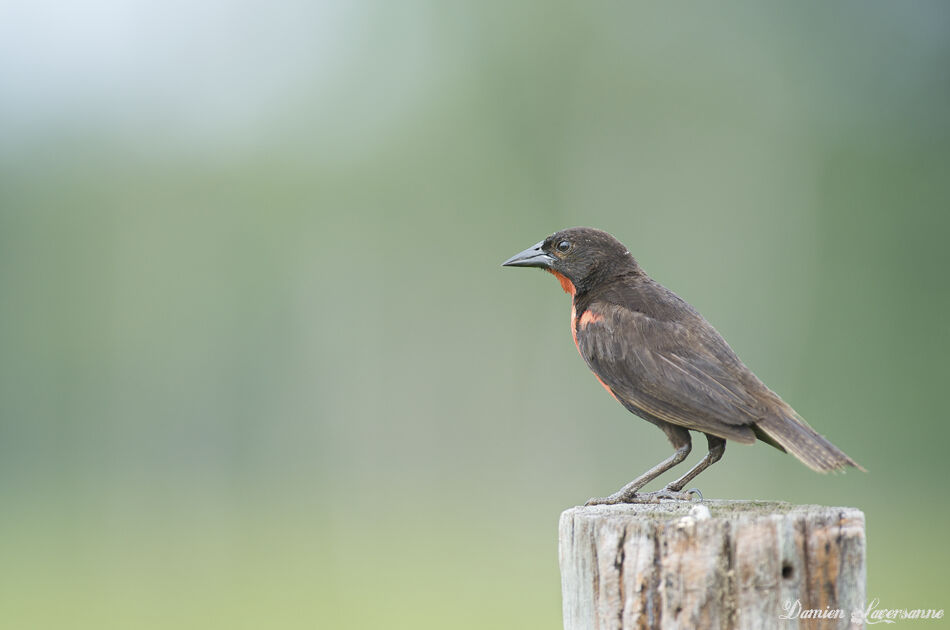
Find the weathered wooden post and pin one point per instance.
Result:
(712, 564)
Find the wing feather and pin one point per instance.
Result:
(683, 374)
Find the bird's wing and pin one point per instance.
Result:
(685, 375)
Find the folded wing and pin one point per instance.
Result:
(685, 375)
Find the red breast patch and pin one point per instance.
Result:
(588, 318)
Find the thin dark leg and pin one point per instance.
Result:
(717, 446)
(681, 442)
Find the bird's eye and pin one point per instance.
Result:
(563, 246)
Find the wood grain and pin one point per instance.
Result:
(715, 564)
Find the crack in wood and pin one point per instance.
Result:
(726, 570)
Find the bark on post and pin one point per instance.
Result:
(714, 564)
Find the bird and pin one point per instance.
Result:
(660, 359)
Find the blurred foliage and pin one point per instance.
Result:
(261, 367)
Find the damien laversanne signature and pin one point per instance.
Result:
(872, 614)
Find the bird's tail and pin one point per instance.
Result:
(794, 435)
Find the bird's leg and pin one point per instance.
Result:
(717, 446)
(628, 494)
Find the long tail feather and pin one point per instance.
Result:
(810, 447)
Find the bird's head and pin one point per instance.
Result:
(579, 257)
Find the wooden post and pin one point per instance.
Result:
(711, 564)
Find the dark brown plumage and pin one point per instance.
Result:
(661, 360)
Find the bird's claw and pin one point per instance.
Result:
(611, 500)
(647, 497)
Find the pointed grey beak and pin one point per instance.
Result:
(531, 257)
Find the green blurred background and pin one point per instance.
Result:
(259, 365)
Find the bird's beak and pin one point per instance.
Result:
(534, 256)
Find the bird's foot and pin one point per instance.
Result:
(647, 497)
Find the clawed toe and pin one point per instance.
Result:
(648, 497)
(611, 500)
(672, 495)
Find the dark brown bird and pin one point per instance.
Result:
(661, 360)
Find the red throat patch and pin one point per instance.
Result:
(566, 284)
